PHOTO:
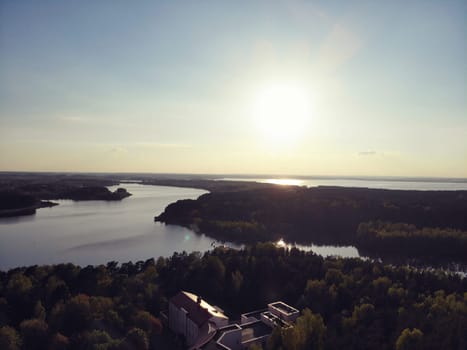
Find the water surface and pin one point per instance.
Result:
(368, 182)
(347, 251)
(94, 232)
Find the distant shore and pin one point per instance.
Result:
(30, 210)
(23, 194)
(414, 224)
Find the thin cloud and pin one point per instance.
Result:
(118, 150)
(367, 153)
(161, 145)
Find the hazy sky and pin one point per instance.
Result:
(283, 87)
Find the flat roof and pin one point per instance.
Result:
(276, 320)
(256, 314)
(255, 330)
(284, 307)
(212, 344)
(230, 327)
(249, 331)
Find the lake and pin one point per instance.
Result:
(95, 232)
(323, 250)
(396, 183)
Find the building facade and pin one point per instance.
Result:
(194, 318)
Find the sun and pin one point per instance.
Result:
(282, 112)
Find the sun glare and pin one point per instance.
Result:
(285, 182)
(282, 113)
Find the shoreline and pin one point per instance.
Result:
(30, 210)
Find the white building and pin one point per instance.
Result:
(194, 318)
(255, 328)
(206, 327)
(283, 311)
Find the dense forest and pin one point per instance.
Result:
(14, 203)
(400, 238)
(345, 303)
(13, 200)
(23, 194)
(327, 215)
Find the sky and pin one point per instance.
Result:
(375, 88)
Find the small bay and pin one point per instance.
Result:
(95, 232)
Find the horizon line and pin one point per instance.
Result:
(244, 175)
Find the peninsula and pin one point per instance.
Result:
(23, 193)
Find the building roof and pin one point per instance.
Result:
(255, 330)
(198, 313)
(284, 308)
(254, 314)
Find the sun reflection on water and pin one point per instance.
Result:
(285, 182)
(281, 243)
(323, 250)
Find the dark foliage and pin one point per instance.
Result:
(15, 200)
(327, 215)
(355, 304)
(93, 193)
(399, 238)
(22, 194)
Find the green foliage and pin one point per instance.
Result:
(18, 285)
(113, 319)
(77, 313)
(364, 314)
(401, 238)
(98, 340)
(410, 340)
(59, 342)
(136, 338)
(274, 342)
(215, 268)
(333, 276)
(255, 346)
(9, 339)
(34, 332)
(147, 322)
(237, 281)
(326, 215)
(39, 311)
(356, 304)
(307, 333)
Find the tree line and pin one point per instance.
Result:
(325, 215)
(406, 239)
(345, 303)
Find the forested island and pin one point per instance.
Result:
(22, 194)
(352, 303)
(415, 223)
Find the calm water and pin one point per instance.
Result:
(390, 184)
(323, 250)
(94, 232)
